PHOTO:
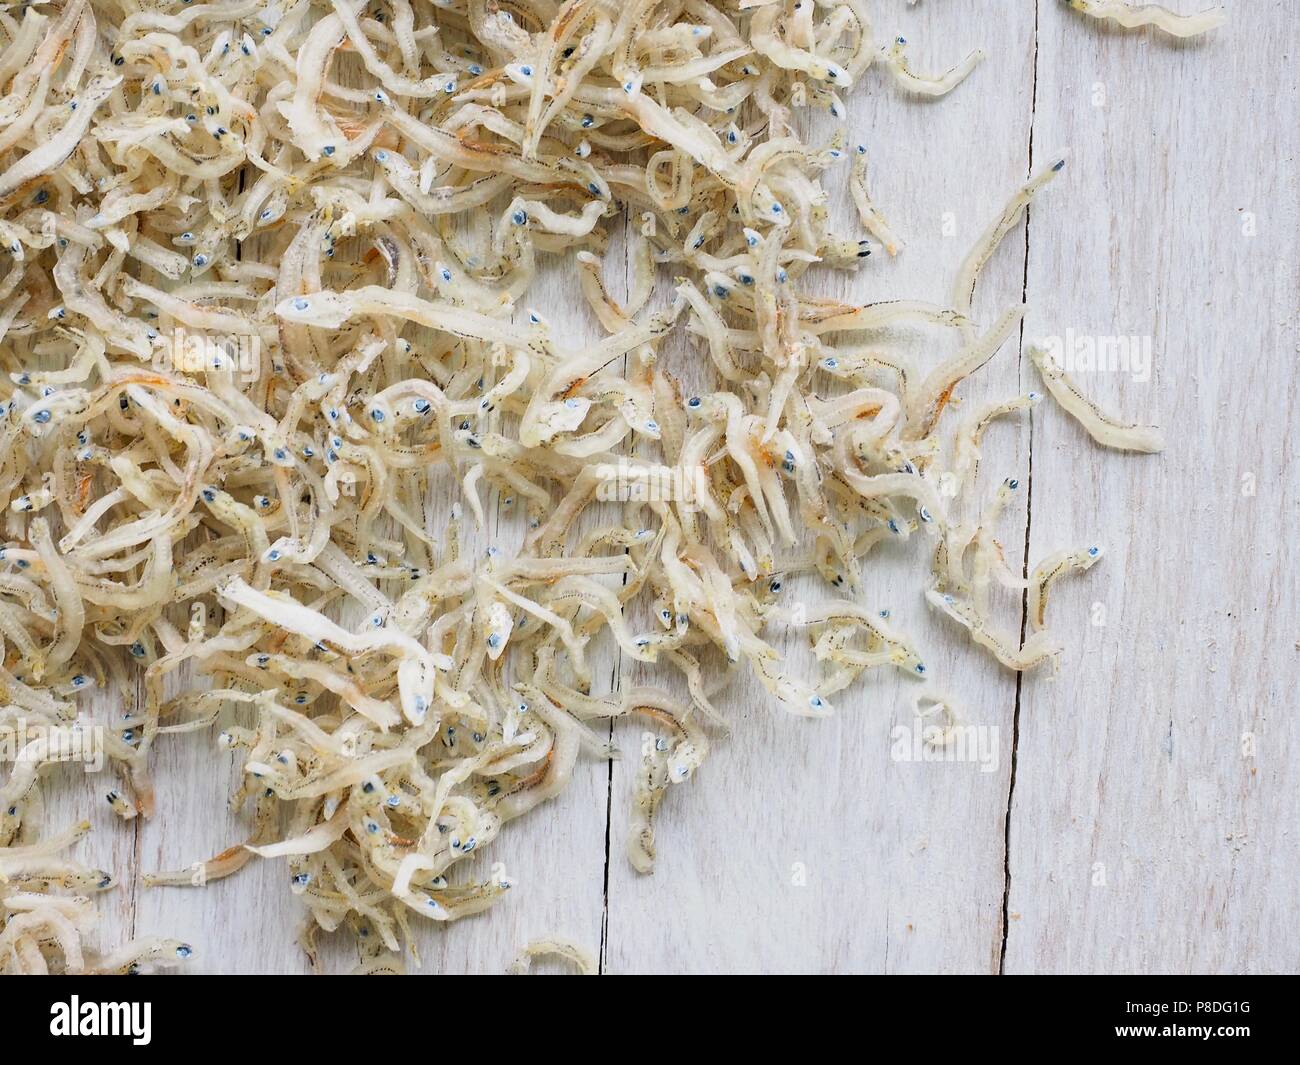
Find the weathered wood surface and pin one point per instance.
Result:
(1139, 810)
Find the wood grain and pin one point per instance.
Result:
(802, 845)
(807, 846)
(1144, 835)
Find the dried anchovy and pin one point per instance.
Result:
(1135, 16)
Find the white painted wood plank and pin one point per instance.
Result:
(1142, 837)
(802, 845)
(248, 923)
(555, 855)
(77, 791)
(245, 923)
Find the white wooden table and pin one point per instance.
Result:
(1141, 811)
